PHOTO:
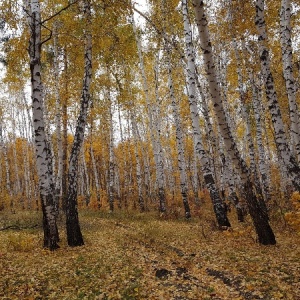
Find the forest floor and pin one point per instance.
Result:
(141, 256)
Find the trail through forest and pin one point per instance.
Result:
(138, 256)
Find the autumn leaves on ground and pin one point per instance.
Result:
(143, 256)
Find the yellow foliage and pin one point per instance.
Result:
(293, 217)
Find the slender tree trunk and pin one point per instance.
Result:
(58, 179)
(287, 60)
(250, 143)
(111, 190)
(6, 164)
(86, 179)
(74, 235)
(179, 143)
(260, 220)
(96, 178)
(218, 204)
(288, 159)
(153, 132)
(138, 163)
(43, 155)
(64, 178)
(263, 169)
(195, 177)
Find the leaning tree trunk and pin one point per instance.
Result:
(260, 220)
(74, 235)
(246, 116)
(287, 60)
(218, 204)
(43, 155)
(86, 179)
(284, 151)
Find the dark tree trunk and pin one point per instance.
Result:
(219, 206)
(239, 210)
(187, 210)
(259, 217)
(74, 235)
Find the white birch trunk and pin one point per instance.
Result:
(194, 177)
(111, 190)
(219, 207)
(159, 167)
(138, 163)
(58, 179)
(17, 184)
(263, 168)
(260, 220)
(179, 144)
(43, 155)
(287, 61)
(96, 178)
(6, 165)
(284, 151)
(250, 143)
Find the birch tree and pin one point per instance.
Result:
(153, 129)
(58, 181)
(74, 234)
(218, 204)
(283, 148)
(179, 142)
(260, 220)
(287, 61)
(43, 155)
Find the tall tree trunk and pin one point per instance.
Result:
(262, 165)
(74, 235)
(6, 164)
(111, 190)
(179, 143)
(43, 155)
(218, 204)
(64, 179)
(284, 151)
(260, 220)
(96, 178)
(58, 179)
(159, 166)
(287, 60)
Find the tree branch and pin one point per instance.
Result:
(59, 12)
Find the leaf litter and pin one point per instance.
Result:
(144, 257)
